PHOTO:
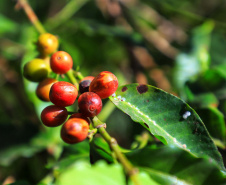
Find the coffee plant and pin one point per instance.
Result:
(87, 114)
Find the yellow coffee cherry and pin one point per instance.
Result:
(36, 70)
(47, 43)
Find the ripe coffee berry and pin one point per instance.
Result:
(74, 130)
(43, 88)
(89, 104)
(36, 70)
(47, 43)
(85, 83)
(53, 116)
(63, 94)
(61, 62)
(79, 115)
(104, 84)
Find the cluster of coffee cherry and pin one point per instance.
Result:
(91, 90)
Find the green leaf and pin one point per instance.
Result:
(211, 80)
(100, 173)
(217, 48)
(169, 163)
(201, 42)
(6, 25)
(163, 178)
(187, 68)
(168, 118)
(9, 155)
(205, 100)
(220, 69)
(99, 149)
(214, 121)
(144, 179)
(190, 65)
(72, 154)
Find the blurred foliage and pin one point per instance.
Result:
(178, 46)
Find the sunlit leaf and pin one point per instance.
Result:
(100, 173)
(99, 149)
(168, 118)
(214, 121)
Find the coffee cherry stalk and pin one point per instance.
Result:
(90, 91)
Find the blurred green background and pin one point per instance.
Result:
(178, 46)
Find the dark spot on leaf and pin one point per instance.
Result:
(147, 100)
(124, 89)
(146, 125)
(142, 89)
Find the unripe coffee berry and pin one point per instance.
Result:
(85, 83)
(43, 88)
(79, 115)
(53, 116)
(74, 130)
(63, 94)
(36, 70)
(46, 60)
(61, 62)
(47, 43)
(104, 84)
(90, 104)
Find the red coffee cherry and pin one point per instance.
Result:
(43, 88)
(104, 84)
(61, 62)
(89, 104)
(53, 116)
(47, 43)
(63, 94)
(79, 115)
(85, 83)
(74, 130)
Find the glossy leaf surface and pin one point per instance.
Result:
(101, 173)
(168, 118)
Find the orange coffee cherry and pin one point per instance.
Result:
(43, 88)
(74, 130)
(104, 84)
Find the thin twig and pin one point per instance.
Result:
(130, 170)
(66, 12)
(150, 35)
(71, 77)
(31, 15)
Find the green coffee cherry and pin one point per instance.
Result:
(36, 70)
